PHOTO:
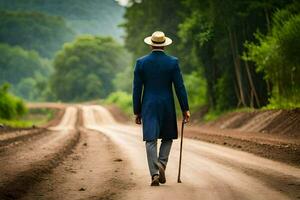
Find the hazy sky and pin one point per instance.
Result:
(125, 2)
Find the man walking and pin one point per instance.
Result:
(153, 102)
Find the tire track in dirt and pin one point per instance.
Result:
(24, 165)
(94, 170)
(211, 171)
(13, 137)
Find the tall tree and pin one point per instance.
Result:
(217, 31)
(86, 67)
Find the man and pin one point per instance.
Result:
(153, 102)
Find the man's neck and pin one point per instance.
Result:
(157, 49)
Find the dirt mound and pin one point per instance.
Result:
(283, 122)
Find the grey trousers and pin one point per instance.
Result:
(164, 151)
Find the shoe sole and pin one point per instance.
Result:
(155, 182)
(162, 176)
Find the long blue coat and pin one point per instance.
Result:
(153, 99)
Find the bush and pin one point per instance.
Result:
(122, 99)
(196, 90)
(11, 107)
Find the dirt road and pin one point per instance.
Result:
(89, 155)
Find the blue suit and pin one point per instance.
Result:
(153, 99)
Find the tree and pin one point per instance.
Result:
(34, 31)
(277, 56)
(86, 67)
(145, 17)
(214, 33)
(22, 69)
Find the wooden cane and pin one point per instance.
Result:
(180, 156)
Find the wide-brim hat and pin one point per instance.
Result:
(158, 39)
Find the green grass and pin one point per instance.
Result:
(16, 123)
(35, 117)
(121, 99)
(214, 115)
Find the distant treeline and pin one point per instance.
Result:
(44, 56)
(247, 51)
(28, 41)
(84, 17)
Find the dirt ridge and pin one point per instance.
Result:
(22, 181)
(273, 122)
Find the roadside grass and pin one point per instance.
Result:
(34, 117)
(16, 123)
(121, 99)
(282, 104)
(214, 115)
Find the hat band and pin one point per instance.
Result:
(158, 42)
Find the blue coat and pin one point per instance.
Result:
(153, 99)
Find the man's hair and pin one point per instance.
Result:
(156, 47)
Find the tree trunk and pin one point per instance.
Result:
(267, 19)
(236, 62)
(253, 90)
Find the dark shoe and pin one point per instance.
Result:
(155, 180)
(161, 169)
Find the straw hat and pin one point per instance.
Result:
(158, 39)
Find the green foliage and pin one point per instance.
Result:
(32, 117)
(16, 123)
(196, 95)
(39, 116)
(25, 70)
(123, 79)
(142, 19)
(85, 68)
(84, 17)
(277, 55)
(122, 99)
(214, 32)
(34, 31)
(215, 114)
(225, 95)
(11, 107)
(209, 38)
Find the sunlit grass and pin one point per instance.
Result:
(121, 99)
(17, 123)
(35, 117)
(214, 115)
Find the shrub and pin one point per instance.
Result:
(122, 99)
(11, 107)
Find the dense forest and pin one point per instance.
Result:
(246, 51)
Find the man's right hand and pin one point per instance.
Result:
(186, 116)
(138, 119)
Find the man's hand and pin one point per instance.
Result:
(186, 116)
(138, 119)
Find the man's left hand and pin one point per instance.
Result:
(138, 119)
(186, 116)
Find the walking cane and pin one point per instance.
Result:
(180, 156)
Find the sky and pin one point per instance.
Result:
(123, 2)
(126, 2)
